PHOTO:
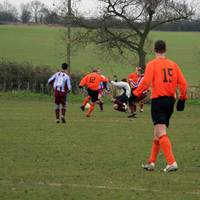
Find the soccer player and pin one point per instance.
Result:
(120, 102)
(62, 86)
(91, 82)
(134, 79)
(165, 77)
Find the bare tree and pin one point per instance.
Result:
(67, 13)
(36, 8)
(8, 12)
(25, 13)
(138, 17)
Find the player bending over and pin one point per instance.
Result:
(120, 102)
(62, 86)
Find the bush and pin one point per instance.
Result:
(25, 76)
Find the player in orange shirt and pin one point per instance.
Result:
(91, 82)
(164, 76)
(134, 79)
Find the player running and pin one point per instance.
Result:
(61, 85)
(164, 76)
(120, 102)
(91, 82)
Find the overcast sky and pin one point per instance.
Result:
(88, 7)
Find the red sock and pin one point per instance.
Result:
(91, 108)
(86, 100)
(154, 151)
(166, 146)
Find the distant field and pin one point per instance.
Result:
(41, 45)
(91, 159)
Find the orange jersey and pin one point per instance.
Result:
(164, 76)
(93, 80)
(133, 79)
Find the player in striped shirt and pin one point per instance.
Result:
(62, 86)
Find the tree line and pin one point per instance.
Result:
(121, 30)
(39, 13)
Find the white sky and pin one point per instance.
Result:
(88, 7)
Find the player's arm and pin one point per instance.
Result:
(68, 84)
(146, 82)
(104, 79)
(52, 79)
(182, 84)
(83, 82)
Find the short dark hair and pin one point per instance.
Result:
(64, 66)
(160, 46)
(124, 80)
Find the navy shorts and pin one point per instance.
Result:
(162, 109)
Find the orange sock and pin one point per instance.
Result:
(154, 151)
(166, 146)
(91, 108)
(86, 100)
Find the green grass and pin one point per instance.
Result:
(94, 159)
(41, 45)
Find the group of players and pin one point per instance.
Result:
(161, 74)
(96, 83)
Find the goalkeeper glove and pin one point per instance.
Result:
(180, 105)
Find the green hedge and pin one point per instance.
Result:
(25, 76)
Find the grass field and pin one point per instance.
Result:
(91, 159)
(41, 45)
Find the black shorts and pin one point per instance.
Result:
(162, 109)
(122, 98)
(93, 94)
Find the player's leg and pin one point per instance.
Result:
(57, 113)
(94, 98)
(57, 107)
(163, 113)
(132, 107)
(120, 103)
(141, 104)
(85, 101)
(64, 106)
(100, 101)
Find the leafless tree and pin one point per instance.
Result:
(25, 13)
(8, 12)
(36, 8)
(138, 17)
